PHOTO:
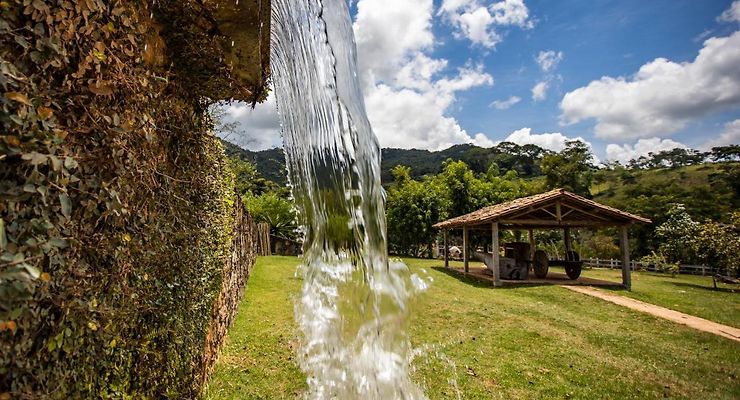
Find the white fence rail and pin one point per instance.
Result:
(617, 264)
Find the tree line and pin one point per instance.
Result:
(706, 185)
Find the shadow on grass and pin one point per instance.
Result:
(484, 283)
(723, 288)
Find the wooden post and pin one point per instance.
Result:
(567, 241)
(446, 249)
(465, 249)
(495, 255)
(532, 246)
(624, 250)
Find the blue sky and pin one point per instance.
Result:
(625, 76)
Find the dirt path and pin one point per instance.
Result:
(662, 312)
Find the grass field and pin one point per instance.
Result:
(540, 342)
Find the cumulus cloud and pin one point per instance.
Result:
(730, 135)
(663, 96)
(477, 22)
(254, 129)
(625, 153)
(549, 60)
(732, 14)
(388, 32)
(505, 104)
(551, 141)
(539, 91)
(408, 93)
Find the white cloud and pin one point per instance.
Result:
(539, 91)
(477, 22)
(505, 104)
(257, 129)
(388, 32)
(408, 93)
(551, 141)
(732, 13)
(549, 60)
(730, 135)
(642, 147)
(663, 96)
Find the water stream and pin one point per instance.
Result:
(352, 308)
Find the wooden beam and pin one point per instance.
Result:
(537, 223)
(624, 250)
(566, 240)
(446, 250)
(495, 255)
(465, 249)
(591, 214)
(558, 214)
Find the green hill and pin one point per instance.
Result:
(523, 159)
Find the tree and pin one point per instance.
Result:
(569, 169)
(412, 208)
(718, 245)
(247, 180)
(676, 234)
(725, 153)
(276, 211)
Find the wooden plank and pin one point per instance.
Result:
(465, 249)
(495, 255)
(624, 250)
(558, 213)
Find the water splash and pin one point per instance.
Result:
(352, 309)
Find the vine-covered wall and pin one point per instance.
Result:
(116, 203)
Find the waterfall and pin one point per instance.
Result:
(352, 307)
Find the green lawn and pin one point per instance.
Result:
(540, 342)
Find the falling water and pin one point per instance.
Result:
(352, 308)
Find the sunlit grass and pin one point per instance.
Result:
(480, 343)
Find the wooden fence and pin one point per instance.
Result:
(636, 265)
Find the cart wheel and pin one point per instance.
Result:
(572, 256)
(541, 264)
(573, 270)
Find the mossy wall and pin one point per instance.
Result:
(116, 202)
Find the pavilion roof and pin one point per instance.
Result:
(556, 208)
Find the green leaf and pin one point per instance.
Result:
(57, 242)
(66, 205)
(70, 163)
(35, 158)
(32, 270)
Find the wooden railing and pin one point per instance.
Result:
(636, 265)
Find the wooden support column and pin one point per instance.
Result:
(495, 255)
(624, 250)
(446, 249)
(567, 240)
(465, 249)
(532, 247)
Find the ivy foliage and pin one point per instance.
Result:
(115, 201)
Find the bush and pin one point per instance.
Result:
(660, 263)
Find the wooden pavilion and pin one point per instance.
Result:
(556, 209)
